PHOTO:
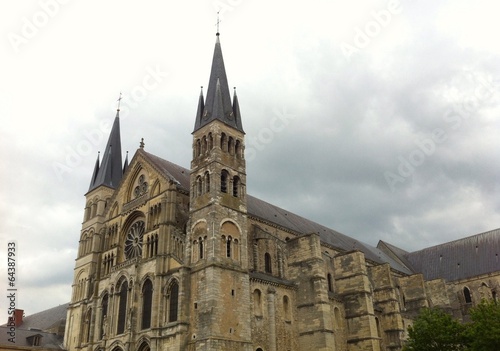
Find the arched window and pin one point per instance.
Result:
(198, 148)
(144, 347)
(199, 186)
(210, 141)
(122, 308)
(236, 186)
(230, 146)
(286, 308)
(467, 295)
(204, 145)
(207, 182)
(330, 282)
(223, 142)
(237, 149)
(223, 181)
(267, 263)
(257, 302)
(147, 301)
(104, 316)
(201, 248)
(173, 302)
(228, 247)
(338, 317)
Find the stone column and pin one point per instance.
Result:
(271, 311)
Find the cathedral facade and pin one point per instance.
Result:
(184, 259)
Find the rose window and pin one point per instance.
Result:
(142, 187)
(133, 242)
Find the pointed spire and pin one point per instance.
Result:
(217, 104)
(236, 110)
(125, 165)
(201, 106)
(110, 171)
(96, 170)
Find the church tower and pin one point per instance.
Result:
(105, 179)
(217, 232)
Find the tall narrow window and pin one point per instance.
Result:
(223, 181)
(330, 282)
(467, 295)
(286, 308)
(173, 301)
(147, 301)
(228, 247)
(257, 302)
(267, 263)
(104, 316)
(236, 186)
(201, 247)
(199, 186)
(207, 182)
(237, 148)
(198, 148)
(122, 308)
(223, 142)
(230, 146)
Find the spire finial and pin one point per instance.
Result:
(141, 145)
(119, 100)
(218, 21)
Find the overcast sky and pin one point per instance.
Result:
(379, 120)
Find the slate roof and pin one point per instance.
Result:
(217, 105)
(265, 211)
(459, 259)
(38, 324)
(46, 319)
(49, 340)
(109, 172)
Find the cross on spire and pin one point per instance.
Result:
(119, 100)
(218, 21)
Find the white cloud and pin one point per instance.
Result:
(353, 118)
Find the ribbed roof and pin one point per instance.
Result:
(46, 319)
(109, 172)
(217, 105)
(459, 259)
(265, 211)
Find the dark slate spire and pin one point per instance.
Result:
(236, 109)
(201, 106)
(96, 170)
(217, 105)
(109, 173)
(125, 165)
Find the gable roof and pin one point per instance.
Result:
(459, 259)
(299, 225)
(46, 319)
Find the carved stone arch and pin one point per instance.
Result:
(81, 275)
(143, 344)
(145, 277)
(113, 212)
(134, 174)
(103, 294)
(171, 293)
(231, 237)
(199, 231)
(122, 276)
(155, 188)
(117, 346)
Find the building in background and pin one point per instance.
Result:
(184, 259)
(42, 331)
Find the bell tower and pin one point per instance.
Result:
(217, 232)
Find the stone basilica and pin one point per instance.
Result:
(184, 259)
